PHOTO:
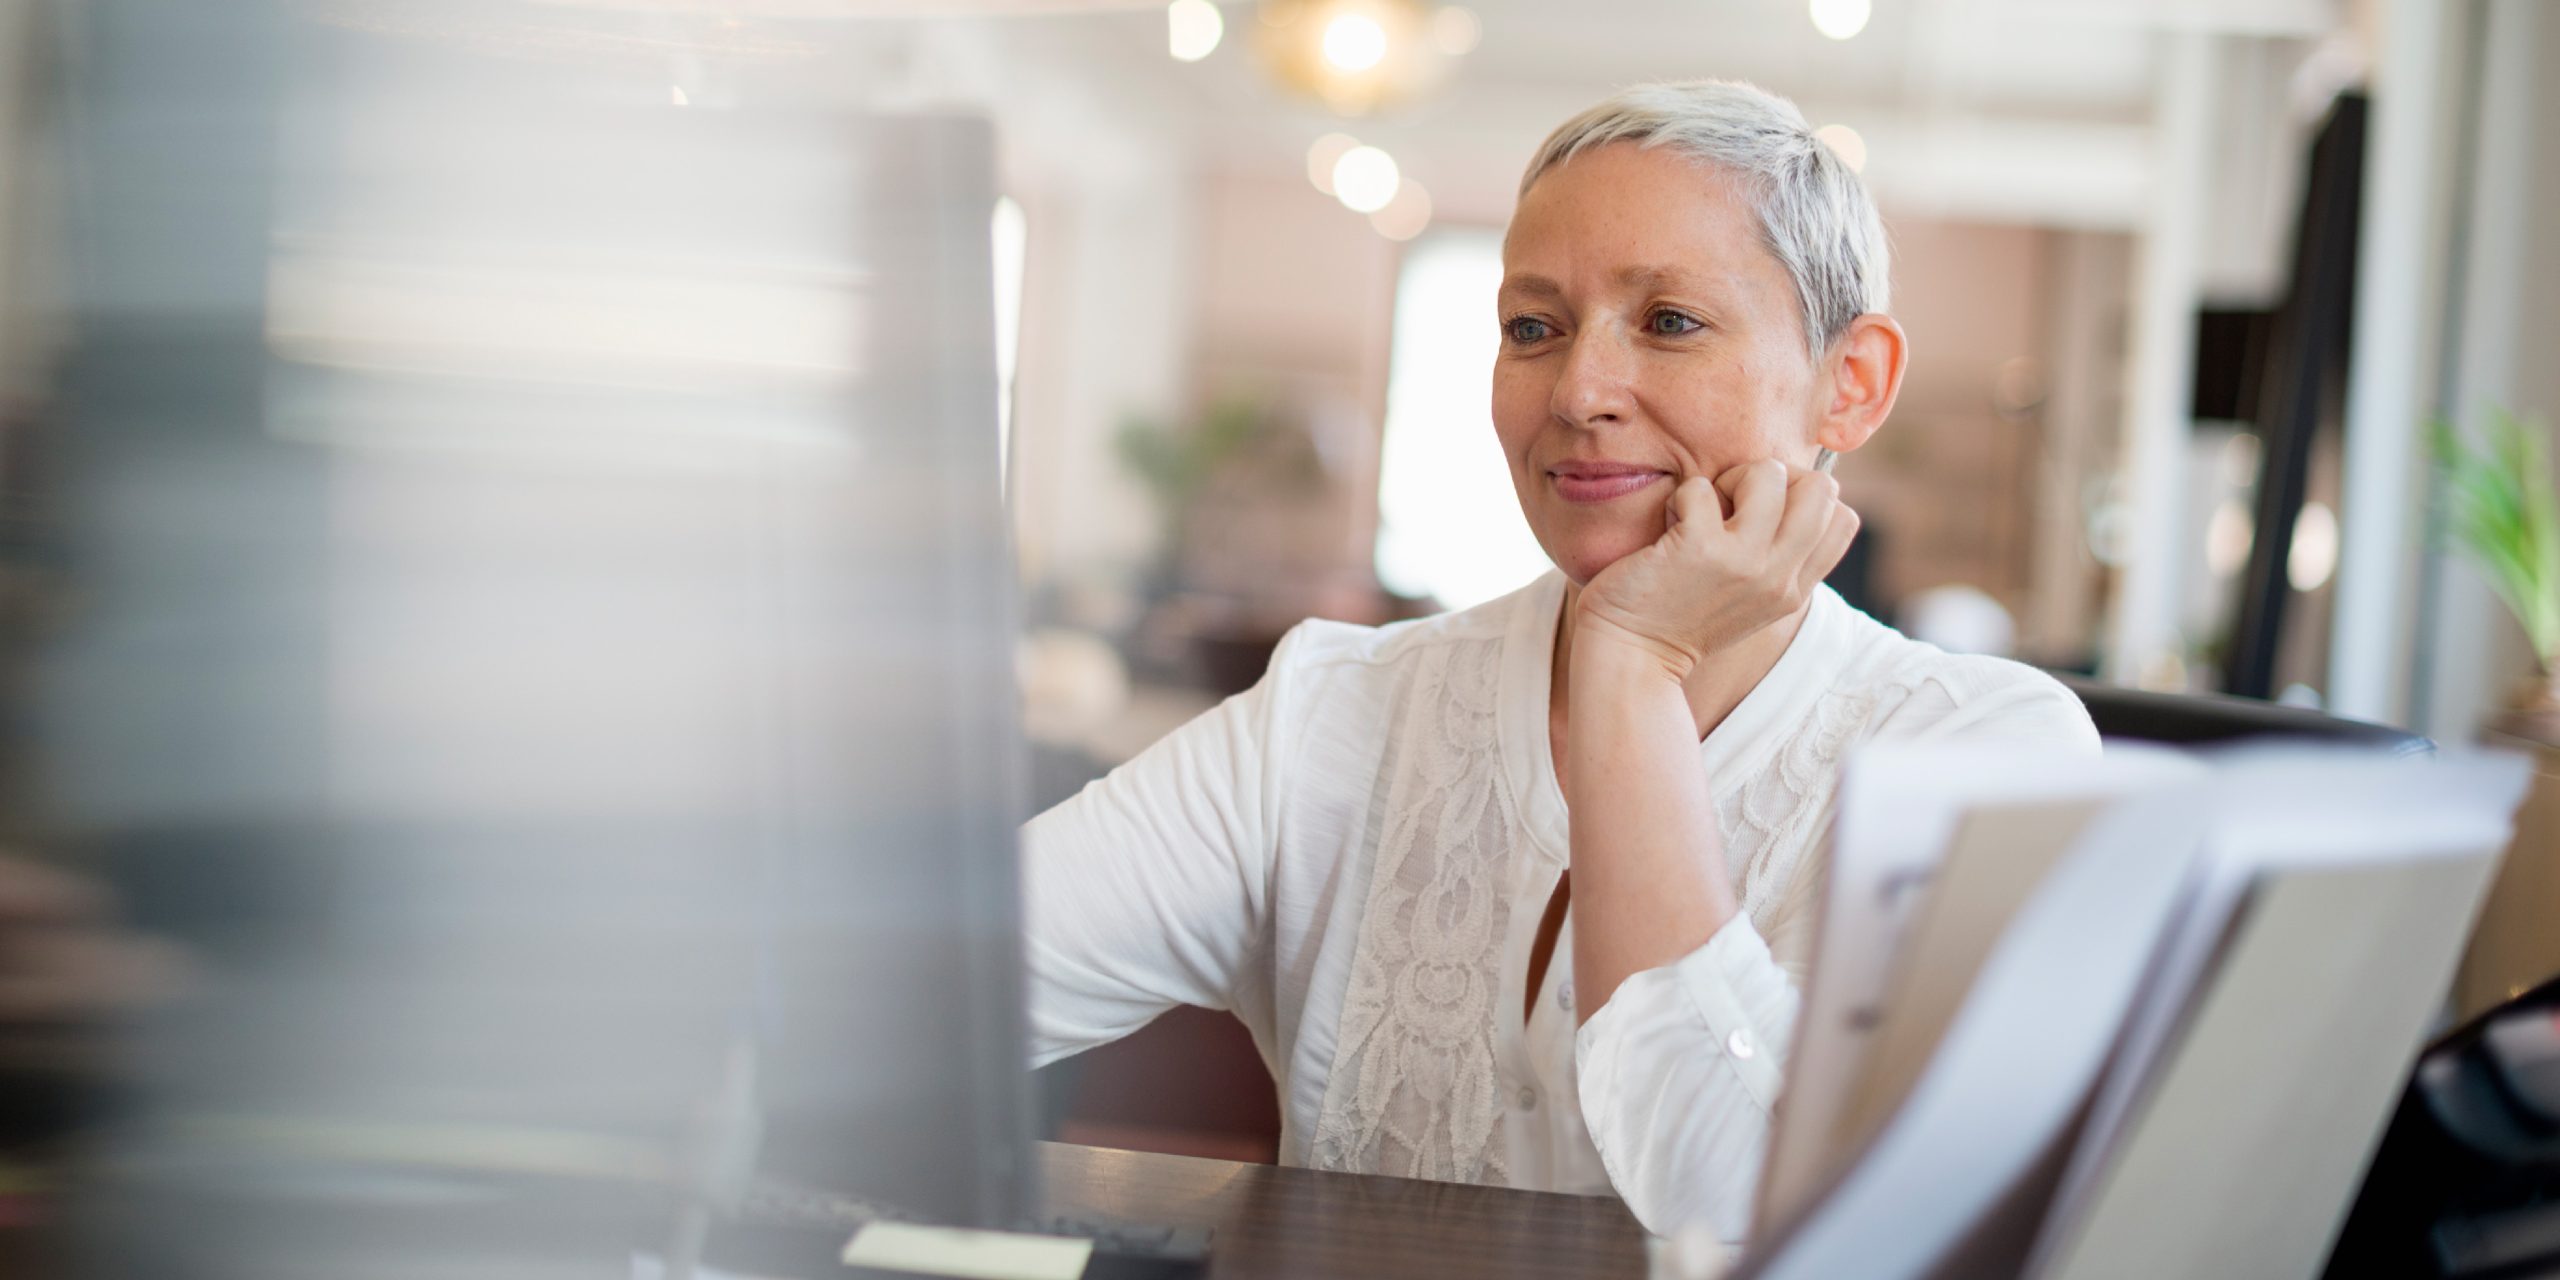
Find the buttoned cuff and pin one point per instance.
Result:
(1734, 989)
(1679, 1072)
(1742, 995)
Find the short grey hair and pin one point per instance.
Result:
(1815, 214)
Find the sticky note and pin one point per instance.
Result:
(966, 1255)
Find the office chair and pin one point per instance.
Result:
(2191, 719)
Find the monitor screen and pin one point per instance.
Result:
(544, 635)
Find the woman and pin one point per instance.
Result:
(1522, 894)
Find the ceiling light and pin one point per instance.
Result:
(1326, 153)
(1456, 30)
(1360, 56)
(1365, 179)
(1192, 29)
(1354, 42)
(1841, 19)
(1846, 144)
(1406, 215)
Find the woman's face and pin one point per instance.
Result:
(1648, 335)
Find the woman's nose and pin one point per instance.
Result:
(1597, 384)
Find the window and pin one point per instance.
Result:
(1010, 234)
(1449, 524)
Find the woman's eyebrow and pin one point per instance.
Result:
(1534, 286)
(1665, 279)
(1652, 279)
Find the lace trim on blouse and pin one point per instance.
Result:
(1772, 816)
(1413, 1090)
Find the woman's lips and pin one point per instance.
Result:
(1602, 483)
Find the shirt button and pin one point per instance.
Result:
(1739, 1045)
(1564, 997)
(1528, 1098)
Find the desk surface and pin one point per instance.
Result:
(1293, 1224)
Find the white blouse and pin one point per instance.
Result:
(1353, 857)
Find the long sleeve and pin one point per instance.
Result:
(1150, 887)
(1680, 1071)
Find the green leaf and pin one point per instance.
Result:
(2502, 508)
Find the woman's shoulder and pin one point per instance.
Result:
(1926, 691)
(1320, 644)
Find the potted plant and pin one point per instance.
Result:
(2501, 507)
(1246, 503)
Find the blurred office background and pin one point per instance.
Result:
(2185, 279)
(2138, 244)
(2184, 282)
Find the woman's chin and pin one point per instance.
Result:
(1582, 559)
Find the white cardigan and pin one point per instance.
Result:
(1353, 857)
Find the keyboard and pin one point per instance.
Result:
(1134, 1251)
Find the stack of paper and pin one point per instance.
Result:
(2134, 1015)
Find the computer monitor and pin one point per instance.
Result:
(542, 636)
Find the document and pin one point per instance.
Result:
(2138, 1016)
(2238, 1118)
(1961, 1171)
(1904, 809)
(1997, 858)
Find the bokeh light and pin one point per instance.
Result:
(1405, 216)
(1354, 42)
(1845, 142)
(1365, 179)
(1841, 19)
(1193, 29)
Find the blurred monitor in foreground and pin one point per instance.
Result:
(541, 642)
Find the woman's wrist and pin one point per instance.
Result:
(1602, 648)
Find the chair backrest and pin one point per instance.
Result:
(2204, 718)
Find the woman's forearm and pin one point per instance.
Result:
(1649, 883)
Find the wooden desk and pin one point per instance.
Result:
(1272, 1223)
(1269, 1223)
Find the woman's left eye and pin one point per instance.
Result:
(1672, 322)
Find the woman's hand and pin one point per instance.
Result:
(1713, 578)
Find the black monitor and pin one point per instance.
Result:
(540, 639)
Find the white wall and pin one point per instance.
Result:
(1104, 335)
(1103, 177)
(2470, 651)
(2421, 84)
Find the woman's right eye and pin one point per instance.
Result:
(1525, 329)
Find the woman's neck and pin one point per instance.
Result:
(1714, 687)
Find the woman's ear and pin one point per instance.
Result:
(1864, 372)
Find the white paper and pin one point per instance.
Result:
(2020, 1059)
(2278, 809)
(2042, 1083)
(1900, 804)
(967, 1255)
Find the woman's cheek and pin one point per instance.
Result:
(1515, 392)
(1515, 427)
